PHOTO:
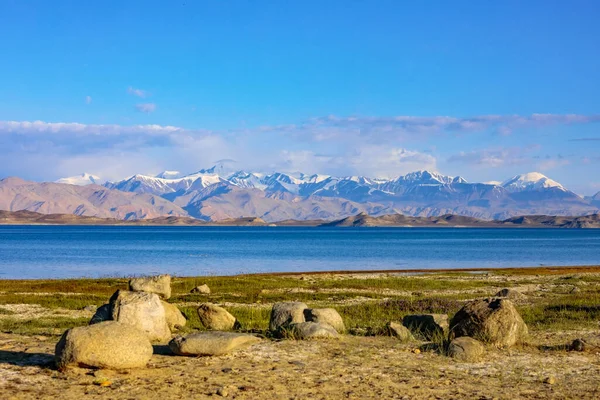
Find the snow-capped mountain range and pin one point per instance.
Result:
(216, 193)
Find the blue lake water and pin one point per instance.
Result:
(100, 251)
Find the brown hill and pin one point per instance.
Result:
(91, 200)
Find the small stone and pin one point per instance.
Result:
(577, 345)
(430, 326)
(222, 392)
(216, 318)
(465, 348)
(102, 382)
(399, 331)
(325, 315)
(286, 313)
(550, 380)
(511, 294)
(161, 285)
(202, 289)
(211, 343)
(312, 330)
(416, 351)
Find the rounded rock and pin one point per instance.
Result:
(109, 344)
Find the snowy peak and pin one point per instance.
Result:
(429, 178)
(531, 181)
(80, 180)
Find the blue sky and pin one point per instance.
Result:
(481, 89)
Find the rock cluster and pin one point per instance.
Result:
(143, 308)
(121, 332)
(296, 320)
(494, 321)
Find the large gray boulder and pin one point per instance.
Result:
(216, 318)
(174, 317)
(311, 330)
(429, 326)
(211, 343)
(143, 310)
(465, 349)
(326, 316)
(161, 285)
(108, 344)
(284, 314)
(495, 321)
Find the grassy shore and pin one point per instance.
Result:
(556, 298)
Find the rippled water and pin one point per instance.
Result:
(97, 251)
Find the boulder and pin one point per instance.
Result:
(466, 349)
(161, 285)
(511, 294)
(429, 326)
(283, 314)
(174, 317)
(202, 289)
(211, 343)
(108, 344)
(103, 313)
(494, 321)
(325, 315)
(399, 331)
(142, 310)
(311, 330)
(216, 318)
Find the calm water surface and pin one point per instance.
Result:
(98, 251)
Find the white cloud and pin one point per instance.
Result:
(138, 92)
(382, 129)
(373, 147)
(88, 99)
(146, 107)
(371, 161)
(492, 158)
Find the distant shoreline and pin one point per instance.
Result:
(360, 220)
(537, 270)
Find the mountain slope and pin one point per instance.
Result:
(91, 200)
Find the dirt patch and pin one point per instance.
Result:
(353, 367)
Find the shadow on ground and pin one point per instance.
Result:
(23, 359)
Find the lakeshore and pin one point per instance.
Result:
(558, 305)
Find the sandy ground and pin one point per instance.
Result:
(349, 368)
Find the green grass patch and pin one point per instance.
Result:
(40, 326)
(577, 311)
(52, 301)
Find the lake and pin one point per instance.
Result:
(103, 251)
